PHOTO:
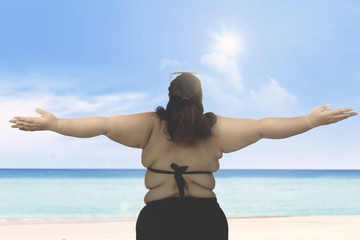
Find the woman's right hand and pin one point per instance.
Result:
(47, 121)
(320, 116)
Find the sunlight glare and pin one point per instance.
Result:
(227, 43)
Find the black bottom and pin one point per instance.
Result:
(185, 218)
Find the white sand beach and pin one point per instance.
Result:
(240, 228)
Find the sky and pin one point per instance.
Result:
(257, 59)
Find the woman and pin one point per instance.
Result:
(181, 149)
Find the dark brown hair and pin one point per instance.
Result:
(186, 122)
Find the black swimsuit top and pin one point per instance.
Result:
(177, 174)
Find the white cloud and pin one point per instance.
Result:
(48, 149)
(169, 62)
(73, 104)
(227, 86)
(226, 67)
(272, 94)
(219, 91)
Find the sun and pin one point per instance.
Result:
(227, 43)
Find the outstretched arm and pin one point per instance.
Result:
(236, 133)
(132, 130)
(283, 127)
(75, 127)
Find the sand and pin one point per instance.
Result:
(241, 228)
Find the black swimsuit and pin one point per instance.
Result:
(178, 177)
(180, 218)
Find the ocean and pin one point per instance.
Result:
(73, 193)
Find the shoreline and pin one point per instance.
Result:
(106, 219)
(45, 220)
(329, 227)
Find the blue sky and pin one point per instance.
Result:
(257, 59)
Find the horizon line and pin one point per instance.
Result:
(214, 172)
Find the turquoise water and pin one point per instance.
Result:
(46, 193)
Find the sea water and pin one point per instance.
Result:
(52, 193)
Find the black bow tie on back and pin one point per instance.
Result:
(179, 178)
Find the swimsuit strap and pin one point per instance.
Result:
(177, 174)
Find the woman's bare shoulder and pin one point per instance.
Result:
(234, 133)
(223, 122)
(132, 130)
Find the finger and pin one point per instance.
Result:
(21, 118)
(27, 125)
(350, 114)
(14, 121)
(29, 128)
(339, 110)
(24, 128)
(21, 125)
(324, 107)
(40, 111)
(26, 119)
(21, 128)
(341, 117)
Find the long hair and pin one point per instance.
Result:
(186, 122)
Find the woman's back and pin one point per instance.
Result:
(160, 153)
